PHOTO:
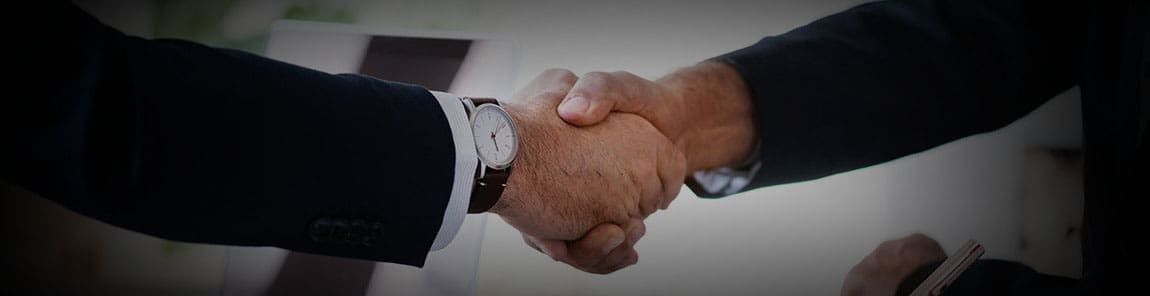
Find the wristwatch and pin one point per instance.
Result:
(496, 144)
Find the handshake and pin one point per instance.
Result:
(600, 153)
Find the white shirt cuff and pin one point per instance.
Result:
(725, 181)
(730, 180)
(465, 164)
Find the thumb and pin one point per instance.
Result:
(576, 110)
(597, 94)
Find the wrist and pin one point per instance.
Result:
(510, 198)
(718, 112)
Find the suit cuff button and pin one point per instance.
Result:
(321, 230)
(374, 234)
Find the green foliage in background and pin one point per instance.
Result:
(202, 20)
(311, 11)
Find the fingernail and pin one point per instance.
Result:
(546, 252)
(574, 105)
(611, 244)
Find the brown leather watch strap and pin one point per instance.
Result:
(487, 190)
(481, 101)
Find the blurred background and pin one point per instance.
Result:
(1017, 190)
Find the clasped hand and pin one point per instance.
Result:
(599, 154)
(580, 194)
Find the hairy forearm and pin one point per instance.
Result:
(718, 112)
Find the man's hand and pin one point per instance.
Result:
(704, 109)
(568, 180)
(884, 269)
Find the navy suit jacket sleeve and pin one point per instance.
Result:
(888, 79)
(200, 144)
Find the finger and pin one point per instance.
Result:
(672, 170)
(555, 249)
(643, 172)
(594, 246)
(623, 255)
(635, 230)
(530, 242)
(597, 94)
(646, 176)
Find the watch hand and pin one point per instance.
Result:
(493, 142)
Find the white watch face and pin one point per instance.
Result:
(496, 140)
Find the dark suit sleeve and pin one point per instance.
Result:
(200, 144)
(888, 79)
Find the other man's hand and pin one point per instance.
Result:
(884, 269)
(705, 109)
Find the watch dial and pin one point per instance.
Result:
(496, 140)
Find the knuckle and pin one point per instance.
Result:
(551, 94)
(624, 75)
(559, 73)
(562, 76)
(887, 245)
(596, 81)
(597, 75)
